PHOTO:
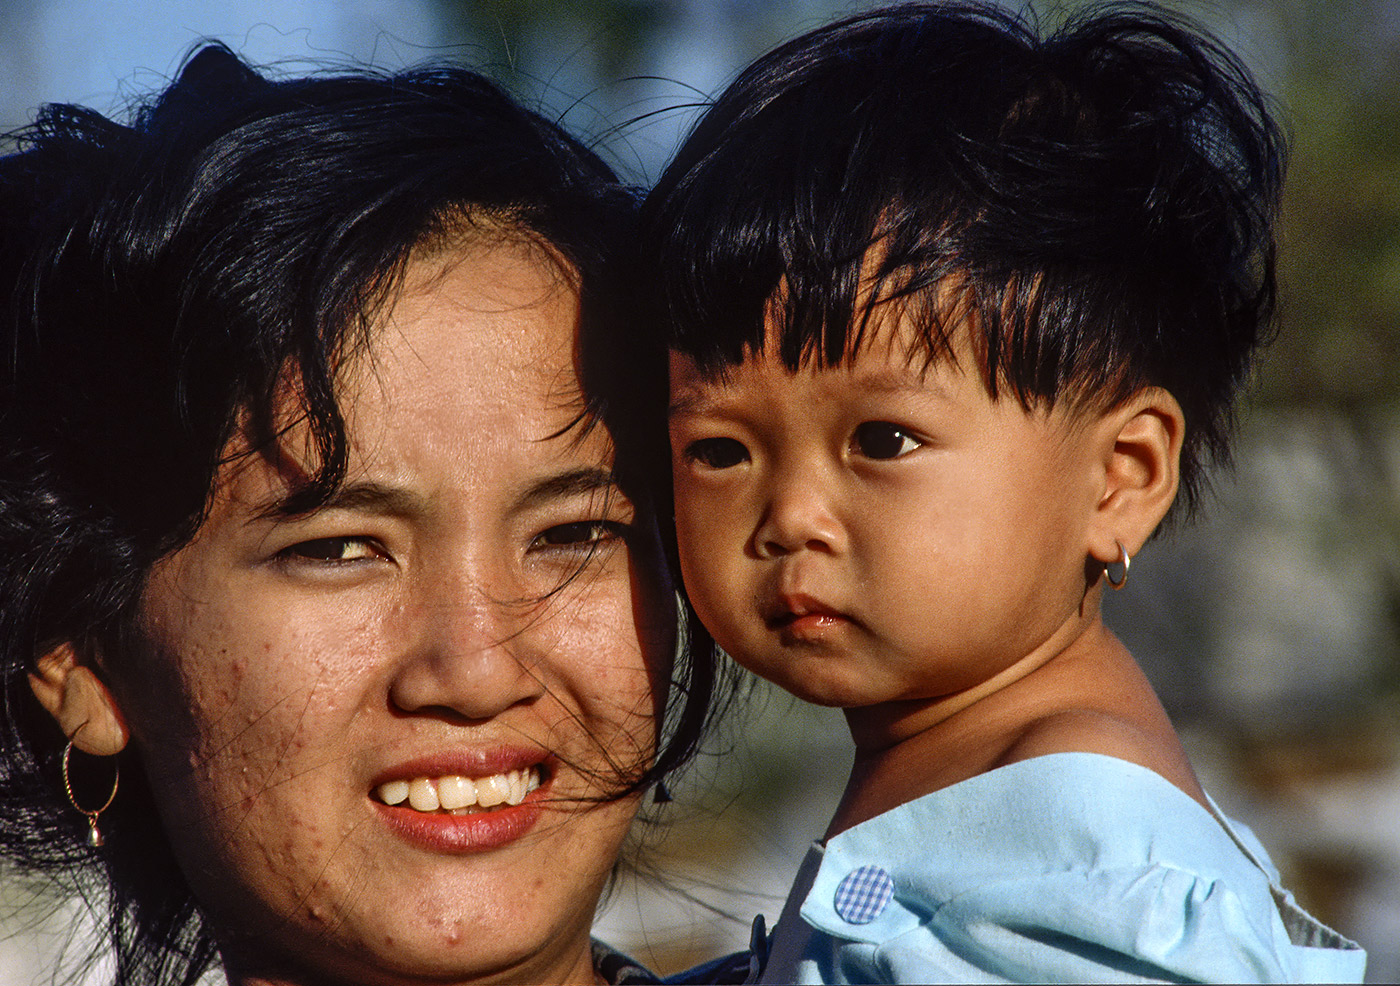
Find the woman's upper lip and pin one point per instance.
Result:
(470, 762)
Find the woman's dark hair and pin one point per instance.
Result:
(161, 280)
(1096, 205)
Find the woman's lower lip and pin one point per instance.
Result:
(479, 831)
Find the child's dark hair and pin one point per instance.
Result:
(1096, 203)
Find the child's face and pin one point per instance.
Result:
(878, 532)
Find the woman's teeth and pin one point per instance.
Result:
(457, 794)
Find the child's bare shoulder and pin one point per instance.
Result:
(1107, 732)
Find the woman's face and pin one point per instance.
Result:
(472, 605)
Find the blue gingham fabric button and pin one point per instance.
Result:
(863, 895)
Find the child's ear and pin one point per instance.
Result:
(79, 702)
(1142, 466)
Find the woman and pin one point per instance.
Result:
(335, 646)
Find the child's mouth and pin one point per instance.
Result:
(801, 613)
(806, 621)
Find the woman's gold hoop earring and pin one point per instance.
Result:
(1124, 561)
(94, 834)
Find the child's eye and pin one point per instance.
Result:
(717, 453)
(333, 550)
(582, 533)
(883, 440)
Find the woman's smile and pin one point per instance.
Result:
(456, 814)
(465, 802)
(460, 794)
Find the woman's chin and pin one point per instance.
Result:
(412, 897)
(428, 940)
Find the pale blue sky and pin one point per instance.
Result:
(100, 53)
(90, 51)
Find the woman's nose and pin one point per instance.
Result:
(798, 516)
(468, 657)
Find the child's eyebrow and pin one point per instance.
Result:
(894, 382)
(690, 401)
(698, 400)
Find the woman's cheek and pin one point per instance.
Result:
(227, 715)
(610, 676)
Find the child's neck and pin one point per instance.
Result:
(1081, 692)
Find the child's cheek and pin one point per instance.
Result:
(709, 553)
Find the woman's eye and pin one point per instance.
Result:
(582, 533)
(333, 550)
(883, 440)
(717, 453)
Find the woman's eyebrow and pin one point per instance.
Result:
(367, 497)
(378, 498)
(572, 482)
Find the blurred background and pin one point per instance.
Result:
(1271, 626)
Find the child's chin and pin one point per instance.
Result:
(829, 700)
(831, 693)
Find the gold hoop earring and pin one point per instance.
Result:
(94, 833)
(1123, 560)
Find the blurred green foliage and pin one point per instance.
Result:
(1341, 232)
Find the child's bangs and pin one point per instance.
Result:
(892, 292)
(816, 279)
(762, 271)
(815, 287)
(1036, 337)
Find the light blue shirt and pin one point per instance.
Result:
(1073, 867)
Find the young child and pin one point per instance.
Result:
(956, 315)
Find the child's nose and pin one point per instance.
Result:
(798, 517)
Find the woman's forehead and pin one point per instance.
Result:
(474, 360)
(486, 333)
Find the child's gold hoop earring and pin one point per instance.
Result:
(1123, 562)
(94, 833)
